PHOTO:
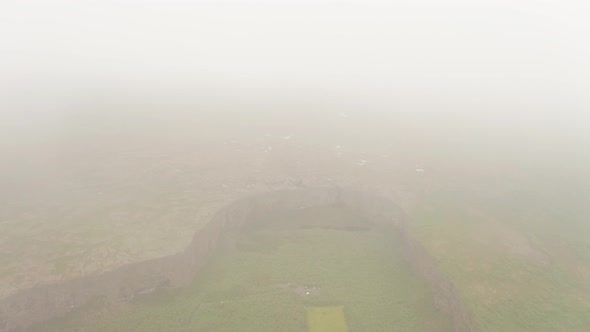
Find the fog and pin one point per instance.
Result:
(127, 126)
(456, 52)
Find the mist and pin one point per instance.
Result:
(132, 133)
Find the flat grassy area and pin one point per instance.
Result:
(326, 319)
(262, 284)
(520, 259)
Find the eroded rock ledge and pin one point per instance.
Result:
(26, 308)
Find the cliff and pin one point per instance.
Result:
(26, 308)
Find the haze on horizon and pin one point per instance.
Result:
(490, 59)
(492, 71)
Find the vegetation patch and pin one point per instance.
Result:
(326, 319)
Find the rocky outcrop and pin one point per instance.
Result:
(38, 304)
(445, 295)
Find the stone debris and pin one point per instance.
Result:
(301, 289)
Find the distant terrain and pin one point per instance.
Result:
(506, 222)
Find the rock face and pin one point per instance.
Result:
(26, 308)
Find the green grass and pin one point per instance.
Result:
(361, 271)
(326, 319)
(478, 240)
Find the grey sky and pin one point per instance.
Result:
(529, 56)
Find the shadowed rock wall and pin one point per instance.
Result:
(38, 304)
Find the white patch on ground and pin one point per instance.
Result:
(300, 289)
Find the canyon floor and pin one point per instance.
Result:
(320, 269)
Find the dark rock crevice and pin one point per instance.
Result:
(36, 305)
